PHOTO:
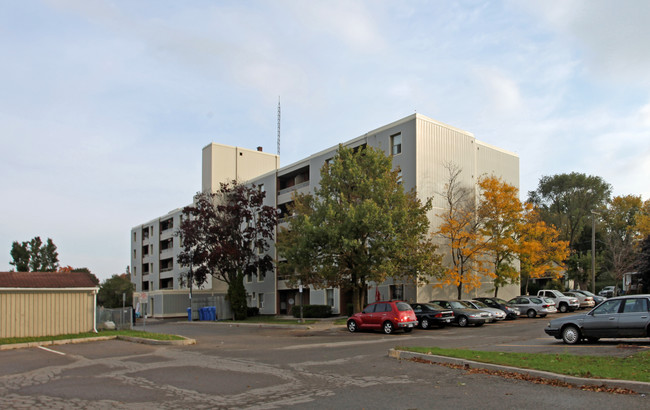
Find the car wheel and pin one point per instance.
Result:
(424, 323)
(388, 327)
(462, 321)
(352, 326)
(570, 335)
(531, 313)
(593, 339)
(563, 308)
(408, 329)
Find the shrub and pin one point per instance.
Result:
(252, 311)
(311, 311)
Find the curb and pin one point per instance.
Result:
(185, 341)
(638, 387)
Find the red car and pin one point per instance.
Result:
(387, 316)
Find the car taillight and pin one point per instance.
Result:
(438, 315)
(546, 306)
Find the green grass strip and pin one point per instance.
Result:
(86, 335)
(635, 367)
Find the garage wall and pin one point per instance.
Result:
(45, 312)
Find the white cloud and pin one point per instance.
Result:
(611, 36)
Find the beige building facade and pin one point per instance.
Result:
(420, 147)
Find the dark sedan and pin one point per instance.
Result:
(619, 317)
(430, 314)
(463, 314)
(498, 303)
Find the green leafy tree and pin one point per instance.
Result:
(359, 226)
(111, 290)
(34, 256)
(226, 235)
(65, 269)
(643, 265)
(619, 223)
(566, 201)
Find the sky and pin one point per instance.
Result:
(106, 105)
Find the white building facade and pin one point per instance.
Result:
(420, 146)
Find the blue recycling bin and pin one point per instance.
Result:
(202, 314)
(213, 311)
(189, 314)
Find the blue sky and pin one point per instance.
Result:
(105, 106)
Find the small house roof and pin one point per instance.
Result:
(45, 280)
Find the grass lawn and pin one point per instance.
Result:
(131, 333)
(635, 367)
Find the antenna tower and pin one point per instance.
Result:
(278, 126)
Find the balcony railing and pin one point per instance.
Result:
(293, 188)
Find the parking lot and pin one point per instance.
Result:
(322, 366)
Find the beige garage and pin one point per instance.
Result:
(46, 303)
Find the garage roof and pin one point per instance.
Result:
(44, 280)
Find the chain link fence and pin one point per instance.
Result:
(121, 318)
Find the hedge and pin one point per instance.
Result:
(311, 311)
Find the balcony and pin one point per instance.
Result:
(293, 188)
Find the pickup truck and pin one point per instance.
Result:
(563, 303)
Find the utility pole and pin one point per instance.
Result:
(593, 251)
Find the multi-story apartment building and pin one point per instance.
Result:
(420, 147)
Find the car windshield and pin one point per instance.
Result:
(536, 300)
(501, 301)
(403, 307)
(479, 304)
(432, 306)
(457, 305)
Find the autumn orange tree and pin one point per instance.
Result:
(541, 252)
(461, 235)
(500, 212)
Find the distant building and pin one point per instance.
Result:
(420, 147)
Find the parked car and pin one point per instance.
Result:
(387, 316)
(532, 306)
(563, 303)
(511, 311)
(463, 315)
(586, 302)
(430, 314)
(597, 298)
(623, 316)
(608, 291)
(497, 314)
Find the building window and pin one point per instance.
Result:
(330, 297)
(397, 292)
(249, 278)
(134, 237)
(261, 187)
(400, 180)
(396, 144)
(260, 275)
(260, 300)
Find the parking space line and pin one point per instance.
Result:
(50, 350)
